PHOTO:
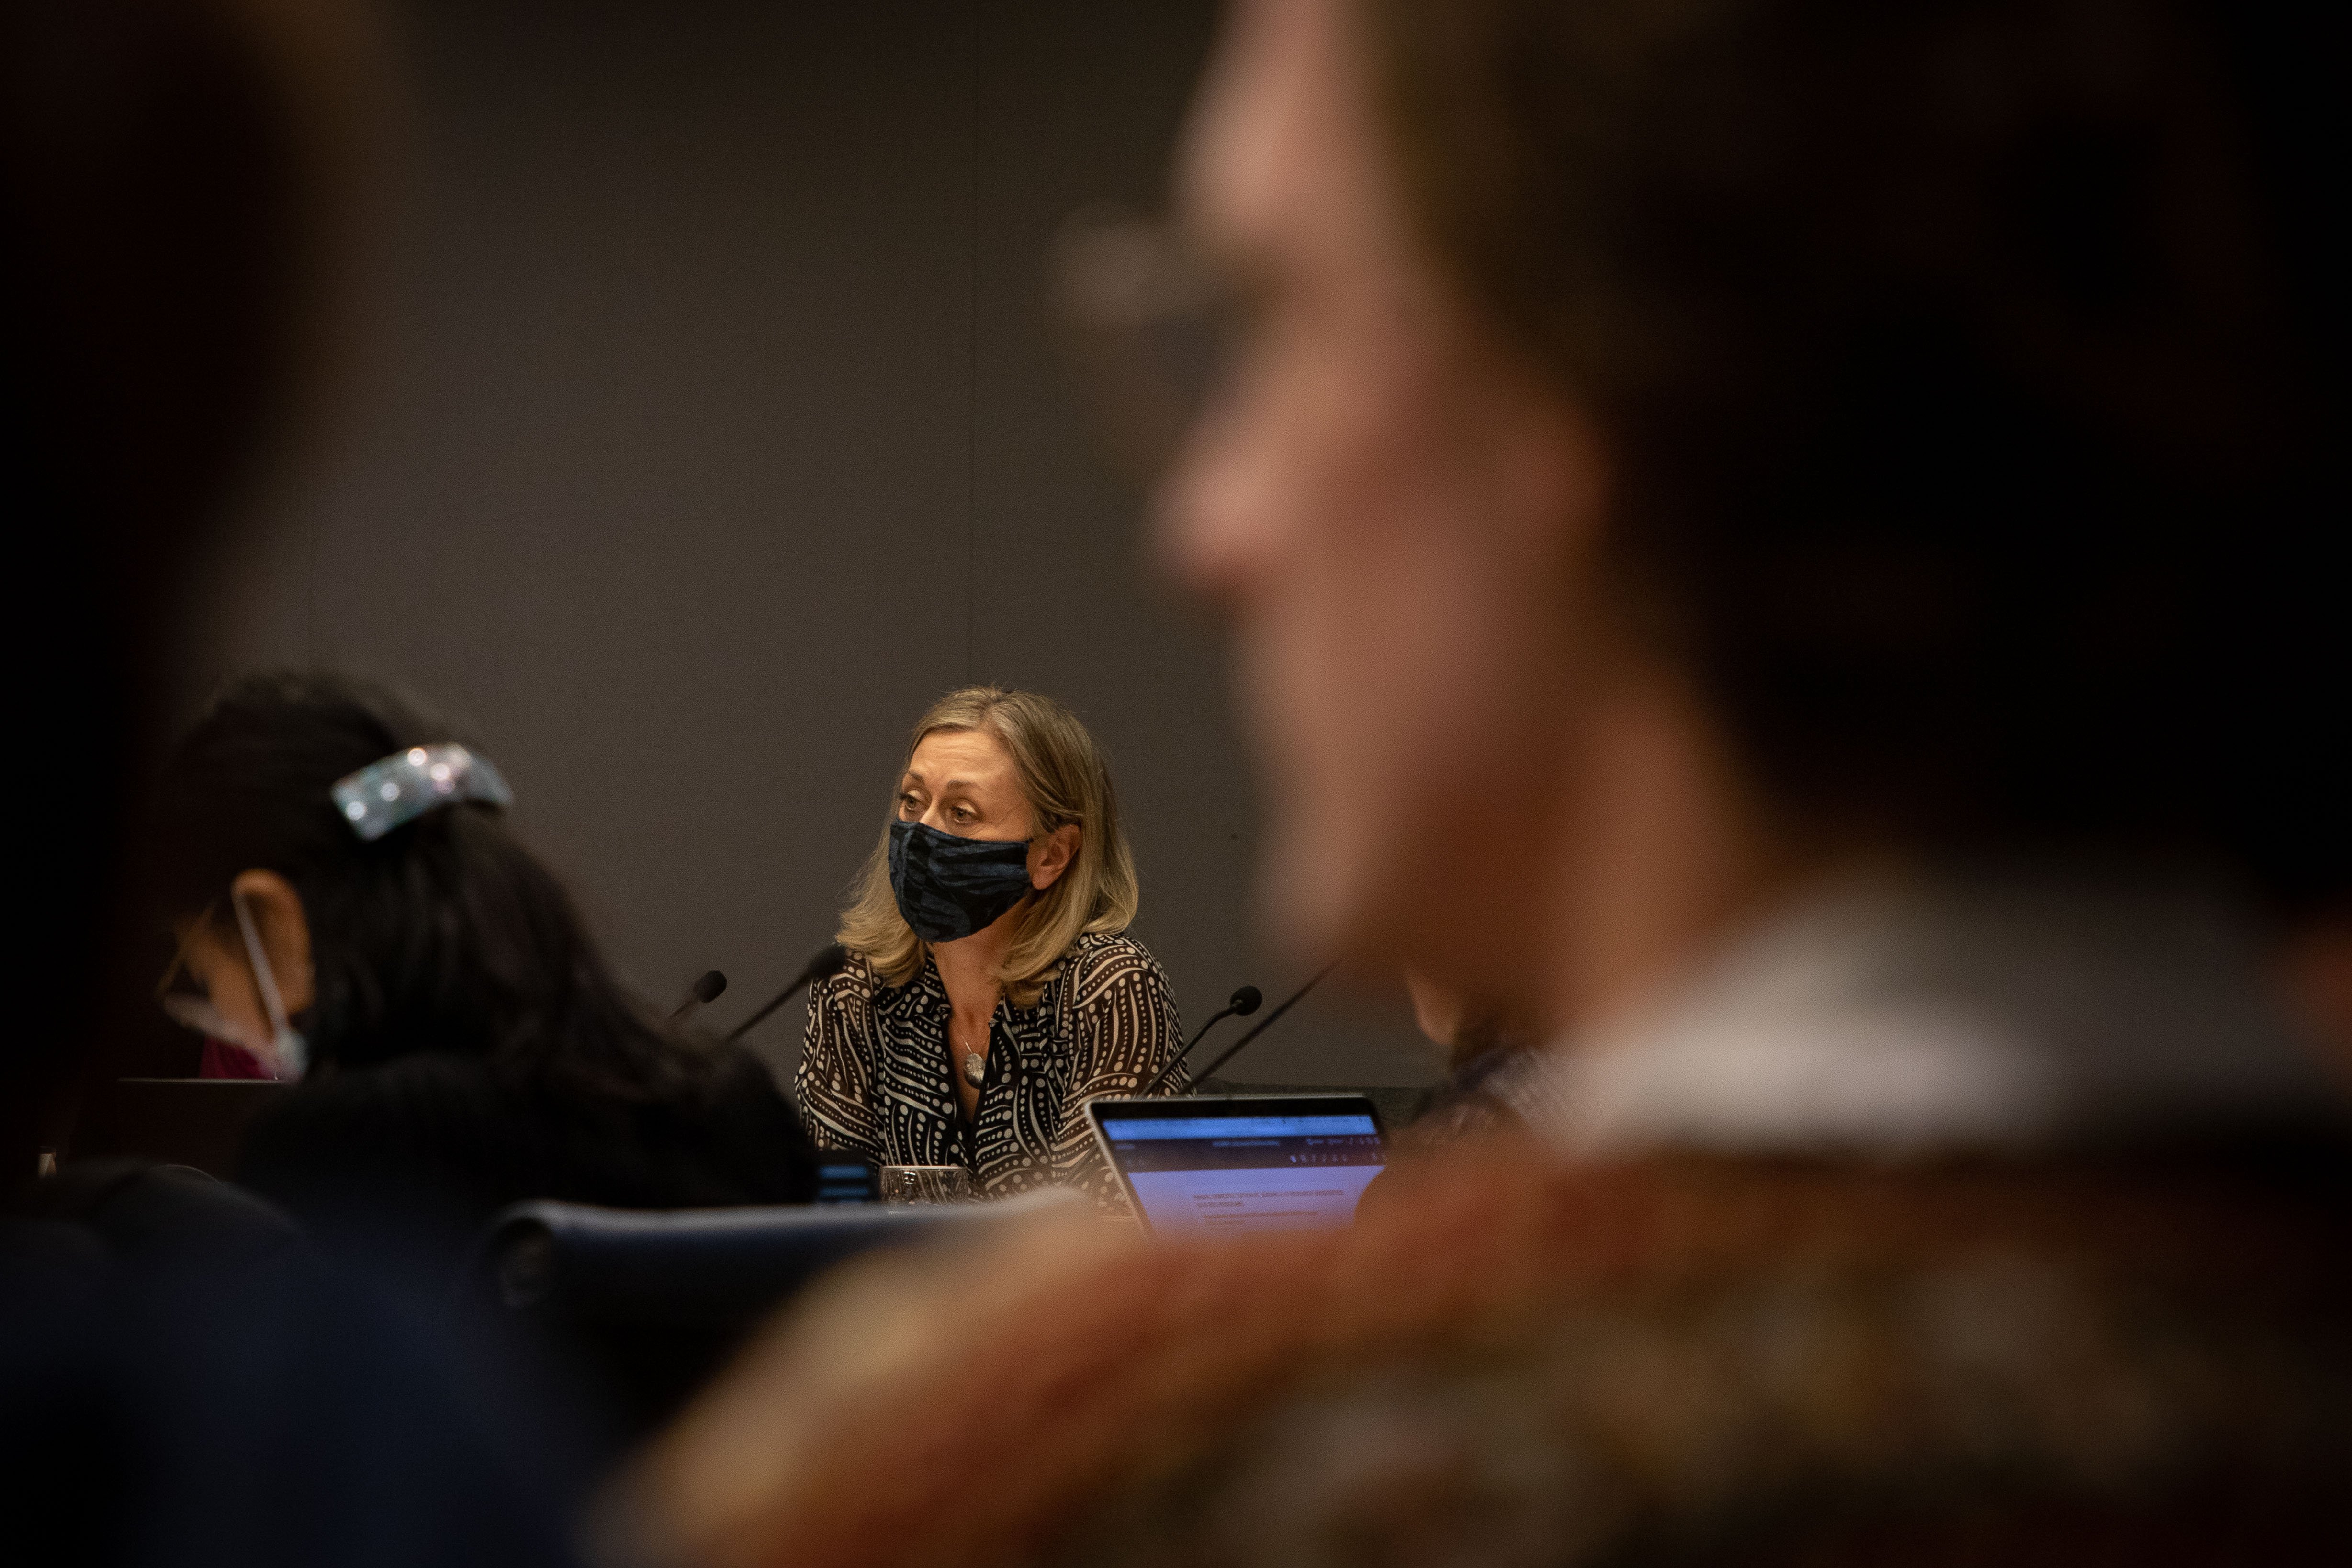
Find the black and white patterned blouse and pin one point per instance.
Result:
(875, 1078)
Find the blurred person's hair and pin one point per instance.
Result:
(445, 935)
(177, 182)
(1948, 358)
(1063, 777)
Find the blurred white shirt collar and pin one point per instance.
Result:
(1908, 1020)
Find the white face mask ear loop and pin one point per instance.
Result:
(289, 1046)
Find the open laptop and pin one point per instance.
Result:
(1217, 1165)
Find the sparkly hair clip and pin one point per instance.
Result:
(406, 785)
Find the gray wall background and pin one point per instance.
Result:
(709, 424)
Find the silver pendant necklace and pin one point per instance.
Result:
(974, 1068)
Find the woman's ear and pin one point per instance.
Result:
(285, 931)
(1050, 856)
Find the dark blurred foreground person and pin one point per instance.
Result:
(1774, 536)
(179, 199)
(179, 1382)
(464, 1044)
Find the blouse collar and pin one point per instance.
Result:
(927, 991)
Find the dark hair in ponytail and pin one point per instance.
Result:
(444, 935)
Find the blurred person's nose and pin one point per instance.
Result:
(1213, 533)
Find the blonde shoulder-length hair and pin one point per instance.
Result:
(1062, 776)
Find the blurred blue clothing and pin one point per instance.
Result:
(203, 1391)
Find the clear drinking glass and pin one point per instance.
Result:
(927, 1184)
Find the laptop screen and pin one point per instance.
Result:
(1215, 1166)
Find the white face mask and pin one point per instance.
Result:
(285, 1052)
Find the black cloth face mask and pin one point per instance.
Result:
(948, 887)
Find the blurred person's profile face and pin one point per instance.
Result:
(1401, 520)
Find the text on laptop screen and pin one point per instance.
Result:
(1208, 1175)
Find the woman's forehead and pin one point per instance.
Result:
(975, 755)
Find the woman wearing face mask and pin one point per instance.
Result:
(351, 911)
(990, 991)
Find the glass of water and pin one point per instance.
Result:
(927, 1184)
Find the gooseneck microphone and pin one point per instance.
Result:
(1239, 1005)
(831, 960)
(703, 991)
(1271, 1019)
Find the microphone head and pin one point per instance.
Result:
(708, 988)
(1246, 1001)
